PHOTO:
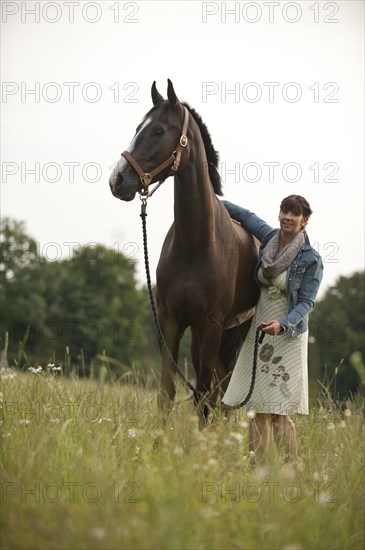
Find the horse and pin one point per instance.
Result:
(205, 273)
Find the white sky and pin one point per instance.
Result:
(274, 51)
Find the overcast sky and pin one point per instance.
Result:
(278, 84)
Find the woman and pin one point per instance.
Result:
(289, 272)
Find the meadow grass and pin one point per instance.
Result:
(85, 464)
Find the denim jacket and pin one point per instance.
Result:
(304, 274)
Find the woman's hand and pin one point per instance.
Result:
(271, 327)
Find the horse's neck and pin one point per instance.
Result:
(195, 207)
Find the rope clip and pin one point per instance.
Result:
(143, 205)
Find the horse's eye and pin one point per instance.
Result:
(159, 132)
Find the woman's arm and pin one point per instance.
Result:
(255, 225)
(307, 294)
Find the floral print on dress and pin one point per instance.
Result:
(266, 352)
(277, 372)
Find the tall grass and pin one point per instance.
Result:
(85, 464)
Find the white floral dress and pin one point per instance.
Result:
(281, 385)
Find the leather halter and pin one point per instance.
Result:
(147, 177)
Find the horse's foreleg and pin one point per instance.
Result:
(167, 389)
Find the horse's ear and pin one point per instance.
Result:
(156, 96)
(173, 99)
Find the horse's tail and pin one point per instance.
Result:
(230, 347)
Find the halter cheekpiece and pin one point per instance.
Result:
(147, 177)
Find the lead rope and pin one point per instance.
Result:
(258, 340)
(161, 338)
(258, 337)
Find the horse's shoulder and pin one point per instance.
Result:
(244, 235)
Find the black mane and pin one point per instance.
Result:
(212, 154)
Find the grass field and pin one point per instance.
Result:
(85, 464)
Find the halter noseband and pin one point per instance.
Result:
(174, 159)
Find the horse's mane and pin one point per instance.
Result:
(212, 154)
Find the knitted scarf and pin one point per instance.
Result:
(275, 261)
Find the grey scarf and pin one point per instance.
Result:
(275, 261)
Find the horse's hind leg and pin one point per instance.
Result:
(167, 389)
(212, 370)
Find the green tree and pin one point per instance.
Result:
(89, 302)
(22, 300)
(337, 326)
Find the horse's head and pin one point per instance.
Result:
(151, 155)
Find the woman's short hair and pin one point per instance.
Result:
(296, 204)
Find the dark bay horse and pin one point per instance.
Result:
(205, 272)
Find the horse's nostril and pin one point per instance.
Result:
(118, 179)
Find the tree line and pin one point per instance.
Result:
(73, 311)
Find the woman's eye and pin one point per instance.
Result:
(159, 131)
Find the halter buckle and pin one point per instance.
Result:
(146, 179)
(183, 141)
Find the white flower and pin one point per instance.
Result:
(237, 436)
(35, 371)
(6, 374)
(251, 414)
(132, 432)
(99, 533)
(208, 513)
(178, 451)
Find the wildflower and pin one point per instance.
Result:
(6, 374)
(104, 420)
(209, 513)
(25, 421)
(237, 436)
(251, 414)
(35, 370)
(99, 533)
(243, 424)
(132, 432)
(178, 451)
(347, 412)
(261, 473)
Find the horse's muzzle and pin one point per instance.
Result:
(119, 189)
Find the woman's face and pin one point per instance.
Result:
(290, 223)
